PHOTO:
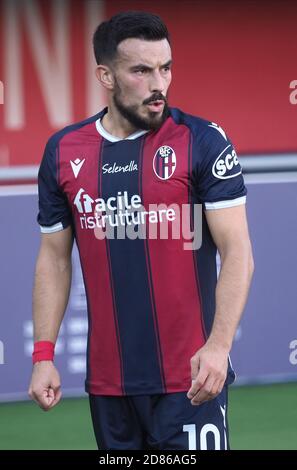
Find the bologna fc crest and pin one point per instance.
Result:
(164, 162)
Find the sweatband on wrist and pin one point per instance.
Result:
(43, 351)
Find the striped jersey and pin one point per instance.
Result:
(133, 205)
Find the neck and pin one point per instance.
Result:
(115, 124)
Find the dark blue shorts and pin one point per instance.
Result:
(159, 422)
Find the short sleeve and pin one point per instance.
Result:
(54, 212)
(218, 176)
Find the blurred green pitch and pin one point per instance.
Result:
(260, 417)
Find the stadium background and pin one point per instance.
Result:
(235, 64)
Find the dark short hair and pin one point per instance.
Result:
(129, 24)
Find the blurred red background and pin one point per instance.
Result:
(233, 64)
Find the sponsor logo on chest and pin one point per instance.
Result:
(115, 168)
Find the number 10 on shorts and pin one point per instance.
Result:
(205, 431)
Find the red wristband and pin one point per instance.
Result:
(43, 351)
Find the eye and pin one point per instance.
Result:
(141, 71)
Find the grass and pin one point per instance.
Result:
(25, 426)
(264, 417)
(260, 417)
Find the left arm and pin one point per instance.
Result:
(229, 230)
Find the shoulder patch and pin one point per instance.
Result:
(226, 164)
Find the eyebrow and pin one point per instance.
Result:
(147, 67)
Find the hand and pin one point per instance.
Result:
(209, 371)
(45, 387)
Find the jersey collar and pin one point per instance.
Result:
(112, 138)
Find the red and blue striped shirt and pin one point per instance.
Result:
(151, 302)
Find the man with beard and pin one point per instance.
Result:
(161, 324)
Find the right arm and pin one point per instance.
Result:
(50, 298)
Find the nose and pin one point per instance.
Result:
(157, 82)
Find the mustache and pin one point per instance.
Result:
(155, 97)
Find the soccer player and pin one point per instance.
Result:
(161, 322)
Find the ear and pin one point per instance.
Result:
(105, 76)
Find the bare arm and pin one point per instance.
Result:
(50, 297)
(52, 284)
(230, 233)
(209, 365)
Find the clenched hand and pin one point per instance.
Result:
(45, 387)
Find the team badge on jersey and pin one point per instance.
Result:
(164, 162)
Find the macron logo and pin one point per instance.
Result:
(76, 166)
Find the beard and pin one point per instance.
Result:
(152, 122)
